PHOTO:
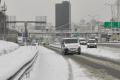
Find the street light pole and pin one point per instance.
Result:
(70, 16)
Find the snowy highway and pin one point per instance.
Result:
(51, 65)
(102, 63)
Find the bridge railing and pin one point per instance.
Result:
(57, 31)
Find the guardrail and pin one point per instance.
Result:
(114, 45)
(24, 71)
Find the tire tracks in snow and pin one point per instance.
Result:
(66, 59)
(98, 64)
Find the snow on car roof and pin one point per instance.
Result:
(91, 39)
(82, 38)
(69, 38)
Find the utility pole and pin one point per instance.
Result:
(112, 10)
(118, 10)
(118, 17)
(70, 16)
(26, 32)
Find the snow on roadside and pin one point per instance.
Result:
(99, 52)
(11, 63)
(80, 73)
(50, 66)
(6, 47)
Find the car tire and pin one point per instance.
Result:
(87, 46)
(66, 52)
(95, 46)
(79, 51)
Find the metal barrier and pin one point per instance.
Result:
(24, 70)
(112, 45)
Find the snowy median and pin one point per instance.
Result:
(114, 45)
(11, 63)
(102, 52)
(7, 47)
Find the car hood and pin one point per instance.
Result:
(92, 43)
(72, 45)
(82, 41)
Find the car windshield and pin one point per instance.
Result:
(91, 41)
(82, 40)
(71, 40)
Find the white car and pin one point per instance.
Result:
(91, 43)
(70, 46)
(35, 44)
(82, 41)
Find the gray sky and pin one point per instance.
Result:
(28, 9)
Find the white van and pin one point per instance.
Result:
(70, 46)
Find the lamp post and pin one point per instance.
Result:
(70, 16)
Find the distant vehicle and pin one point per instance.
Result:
(82, 41)
(91, 43)
(35, 44)
(20, 40)
(70, 46)
(44, 43)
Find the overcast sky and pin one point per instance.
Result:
(28, 9)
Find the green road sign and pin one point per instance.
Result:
(75, 35)
(111, 24)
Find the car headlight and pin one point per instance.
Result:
(65, 48)
(87, 43)
(79, 48)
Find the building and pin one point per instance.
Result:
(63, 18)
(3, 17)
(11, 25)
(63, 15)
(42, 25)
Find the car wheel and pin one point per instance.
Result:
(79, 51)
(87, 46)
(95, 46)
(65, 51)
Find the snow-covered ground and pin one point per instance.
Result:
(52, 66)
(105, 52)
(11, 63)
(80, 73)
(114, 45)
(6, 47)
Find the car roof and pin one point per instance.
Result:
(69, 38)
(91, 39)
(81, 38)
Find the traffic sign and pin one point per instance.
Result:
(111, 24)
